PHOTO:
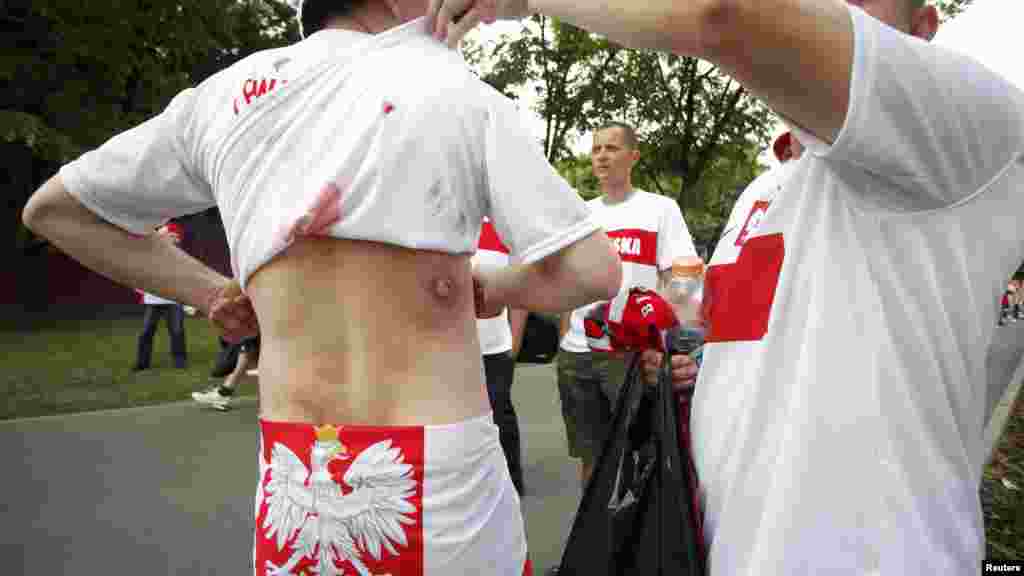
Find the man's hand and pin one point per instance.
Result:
(232, 313)
(451, 19)
(684, 369)
(482, 295)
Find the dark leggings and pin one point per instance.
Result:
(499, 370)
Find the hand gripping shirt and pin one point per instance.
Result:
(839, 414)
(387, 138)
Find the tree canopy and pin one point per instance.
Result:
(692, 120)
(75, 73)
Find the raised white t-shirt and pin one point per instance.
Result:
(495, 333)
(419, 148)
(650, 233)
(839, 413)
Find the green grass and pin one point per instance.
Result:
(57, 367)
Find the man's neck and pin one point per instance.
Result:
(616, 193)
(373, 18)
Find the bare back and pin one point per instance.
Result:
(357, 332)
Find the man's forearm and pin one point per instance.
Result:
(529, 287)
(668, 25)
(796, 55)
(584, 272)
(148, 263)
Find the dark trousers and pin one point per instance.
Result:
(175, 328)
(499, 370)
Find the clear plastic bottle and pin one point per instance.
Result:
(686, 289)
(685, 293)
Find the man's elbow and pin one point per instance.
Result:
(37, 211)
(715, 27)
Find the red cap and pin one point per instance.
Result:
(636, 320)
(781, 147)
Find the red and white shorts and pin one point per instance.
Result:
(404, 501)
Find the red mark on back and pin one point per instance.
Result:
(324, 213)
(388, 107)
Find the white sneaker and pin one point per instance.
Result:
(213, 398)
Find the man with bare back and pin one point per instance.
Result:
(352, 171)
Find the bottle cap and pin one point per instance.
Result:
(689, 267)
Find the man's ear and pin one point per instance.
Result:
(925, 23)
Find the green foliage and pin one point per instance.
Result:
(76, 73)
(31, 132)
(89, 70)
(699, 129)
(951, 8)
(564, 66)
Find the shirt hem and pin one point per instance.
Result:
(557, 242)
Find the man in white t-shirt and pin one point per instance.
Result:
(649, 232)
(753, 203)
(500, 340)
(838, 421)
(352, 171)
(157, 308)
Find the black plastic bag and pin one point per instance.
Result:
(540, 339)
(638, 515)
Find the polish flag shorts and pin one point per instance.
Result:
(403, 501)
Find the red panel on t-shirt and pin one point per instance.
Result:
(637, 246)
(738, 297)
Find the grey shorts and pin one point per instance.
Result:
(588, 387)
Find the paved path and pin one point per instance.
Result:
(169, 489)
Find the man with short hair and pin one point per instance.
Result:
(838, 424)
(650, 235)
(752, 204)
(352, 171)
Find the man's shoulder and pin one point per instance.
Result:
(660, 201)
(435, 72)
(767, 179)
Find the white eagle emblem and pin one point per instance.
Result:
(332, 525)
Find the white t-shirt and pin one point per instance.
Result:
(649, 232)
(153, 299)
(495, 333)
(751, 206)
(419, 147)
(839, 414)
